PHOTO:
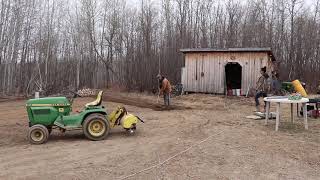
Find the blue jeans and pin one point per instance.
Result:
(259, 95)
(166, 98)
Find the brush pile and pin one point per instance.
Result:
(87, 92)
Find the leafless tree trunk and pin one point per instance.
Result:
(56, 44)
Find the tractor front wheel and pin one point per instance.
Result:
(38, 134)
(49, 129)
(96, 127)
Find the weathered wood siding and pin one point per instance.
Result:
(205, 72)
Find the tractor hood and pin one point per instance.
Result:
(49, 101)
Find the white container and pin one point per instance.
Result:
(238, 92)
(234, 92)
(36, 95)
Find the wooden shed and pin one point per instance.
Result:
(218, 70)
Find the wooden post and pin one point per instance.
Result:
(267, 112)
(305, 115)
(292, 118)
(278, 116)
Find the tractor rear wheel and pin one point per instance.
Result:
(96, 127)
(38, 134)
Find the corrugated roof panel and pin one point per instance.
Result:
(226, 50)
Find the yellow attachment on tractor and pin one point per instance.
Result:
(129, 121)
(121, 117)
(116, 115)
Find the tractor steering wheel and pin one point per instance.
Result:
(75, 95)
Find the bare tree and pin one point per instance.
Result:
(54, 44)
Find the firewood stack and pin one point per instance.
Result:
(86, 92)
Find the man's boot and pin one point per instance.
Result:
(257, 108)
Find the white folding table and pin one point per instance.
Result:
(285, 100)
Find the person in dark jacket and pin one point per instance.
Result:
(275, 84)
(262, 87)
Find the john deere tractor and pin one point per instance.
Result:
(48, 113)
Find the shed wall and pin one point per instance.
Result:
(205, 72)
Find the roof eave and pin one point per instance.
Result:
(193, 50)
(229, 50)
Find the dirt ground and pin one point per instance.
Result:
(224, 144)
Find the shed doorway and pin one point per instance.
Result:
(233, 72)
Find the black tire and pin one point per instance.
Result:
(49, 130)
(96, 127)
(38, 134)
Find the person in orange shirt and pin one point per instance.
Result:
(165, 89)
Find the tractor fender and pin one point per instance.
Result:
(86, 113)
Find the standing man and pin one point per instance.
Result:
(262, 87)
(275, 84)
(165, 89)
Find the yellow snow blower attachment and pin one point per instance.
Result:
(120, 116)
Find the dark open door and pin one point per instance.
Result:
(233, 75)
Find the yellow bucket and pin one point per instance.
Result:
(298, 87)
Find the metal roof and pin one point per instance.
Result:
(198, 50)
(226, 50)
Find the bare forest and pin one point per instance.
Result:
(51, 45)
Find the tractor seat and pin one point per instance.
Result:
(96, 102)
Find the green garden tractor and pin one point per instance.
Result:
(56, 112)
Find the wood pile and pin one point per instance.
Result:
(87, 92)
